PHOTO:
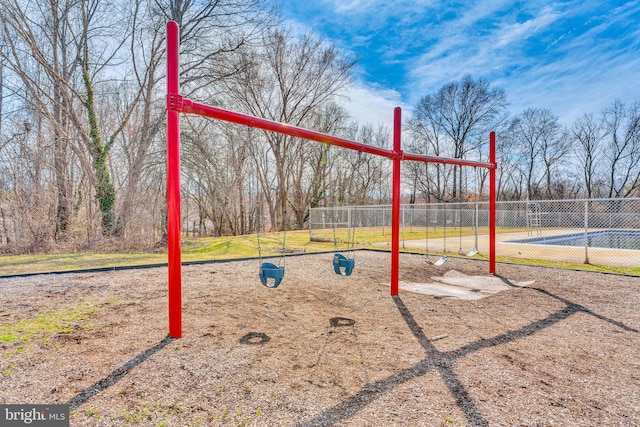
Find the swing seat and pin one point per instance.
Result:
(441, 261)
(343, 265)
(271, 275)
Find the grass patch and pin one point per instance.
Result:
(230, 247)
(17, 264)
(633, 271)
(43, 326)
(193, 249)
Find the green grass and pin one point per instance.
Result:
(193, 249)
(198, 249)
(212, 248)
(43, 326)
(16, 264)
(633, 271)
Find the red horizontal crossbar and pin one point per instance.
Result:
(447, 161)
(176, 102)
(256, 122)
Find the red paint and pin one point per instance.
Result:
(173, 182)
(492, 203)
(395, 201)
(244, 119)
(445, 160)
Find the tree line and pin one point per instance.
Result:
(596, 156)
(82, 128)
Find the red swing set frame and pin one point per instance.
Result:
(176, 104)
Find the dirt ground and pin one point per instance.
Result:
(323, 349)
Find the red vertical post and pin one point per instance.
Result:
(173, 184)
(395, 201)
(492, 203)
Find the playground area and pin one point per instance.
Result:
(547, 347)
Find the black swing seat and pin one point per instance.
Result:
(271, 275)
(343, 265)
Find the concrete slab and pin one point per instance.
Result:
(506, 247)
(454, 284)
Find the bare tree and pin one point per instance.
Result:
(622, 127)
(510, 174)
(588, 133)
(209, 33)
(537, 134)
(555, 149)
(427, 138)
(369, 175)
(38, 40)
(2, 43)
(464, 111)
(70, 43)
(100, 98)
(310, 162)
(286, 81)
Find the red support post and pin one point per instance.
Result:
(173, 182)
(395, 201)
(492, 203)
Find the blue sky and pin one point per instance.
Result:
(573, 57)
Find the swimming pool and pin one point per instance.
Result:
(612, 239)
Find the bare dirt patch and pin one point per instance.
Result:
(323, 349)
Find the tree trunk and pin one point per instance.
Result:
(61, 169)
(105, 192)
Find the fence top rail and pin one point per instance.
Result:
(471, 203)
(613, 199)
(403, 206)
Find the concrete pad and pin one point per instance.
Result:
(507, 246)
(454, 284)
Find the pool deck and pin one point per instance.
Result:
(504, 247)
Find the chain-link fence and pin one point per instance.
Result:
(599, 231)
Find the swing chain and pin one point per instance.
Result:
(270, 275)
(256, 212)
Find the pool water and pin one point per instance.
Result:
(612, 239)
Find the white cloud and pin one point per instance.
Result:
(580, 72)
(479, 11)
(366, 6)
(574, 86)
(588, 73)
(353, 5)
(464, 48)
(519, 31)
(573, 57)
(367, 104)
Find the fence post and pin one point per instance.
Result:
(475, 224)
(348, 225)
(403, 225)
(586, 231)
